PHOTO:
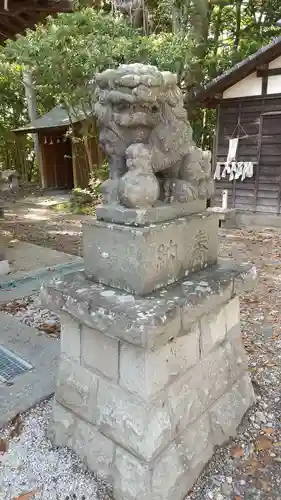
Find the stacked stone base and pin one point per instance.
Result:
(145, 411)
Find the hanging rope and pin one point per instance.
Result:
(237, 128)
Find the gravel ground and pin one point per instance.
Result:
(30, 464)
(249, 468)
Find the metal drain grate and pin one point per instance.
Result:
(11, 365)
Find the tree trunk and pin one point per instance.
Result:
(238, 24)
(30, 94)
(217, 30)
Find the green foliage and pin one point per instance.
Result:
(83, 201)
(12, 115)
(197, 39)
(98, 175)
(67, 51)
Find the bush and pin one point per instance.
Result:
(97, 177)
(81, 200)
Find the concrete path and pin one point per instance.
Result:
(42, 352)
(25, 258)
(30, 266)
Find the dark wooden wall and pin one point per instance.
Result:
(56, 160)
(64, 161)
(260, 117)
(82, 164)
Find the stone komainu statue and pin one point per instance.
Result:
(146, 135)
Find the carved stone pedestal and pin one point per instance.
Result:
(143, 259)
(147, 386)
(152, 373)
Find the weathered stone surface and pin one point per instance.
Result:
(246, 280)
(143, 321)
(206, 293)
(100, 352)
(62, 429)
(155, 137)
(143, 259)
(212, 330)
(77, 389)
(223, 213)
(132, 478)
(226, 414)
(202, 385)
(70, 337)
(156, 374)
(151, 215)
(172, 474)
(178, 467)
(148, 372)
(95, 449)
(164, 392)
(232, 313)
(185, 401)
(142, 428)
(234, 337)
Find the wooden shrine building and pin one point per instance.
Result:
(18, 15)
(247, 149)
(64, 161)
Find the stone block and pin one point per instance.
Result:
(223, 214)
(144, 259)
(228, 411)
(212, 330)
(232, 313)
(77, 389)
(144, 216)
(132, 478)
(185, 399)
(172, 474)
(245, 280)
(205, 296)
(151, 430)
(202, 385)
(176, 470)
(146, 372)
(144, 321)
(234, 337)
(100, 352)
(70, 337)
(95, 449)
(141, 428)
(62, 429)
(159, 334)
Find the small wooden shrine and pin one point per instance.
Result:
(65, 160)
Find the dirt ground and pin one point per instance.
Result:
(250, 467)
(35, 221)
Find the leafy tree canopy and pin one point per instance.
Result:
(197, 39)
(67, 51)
